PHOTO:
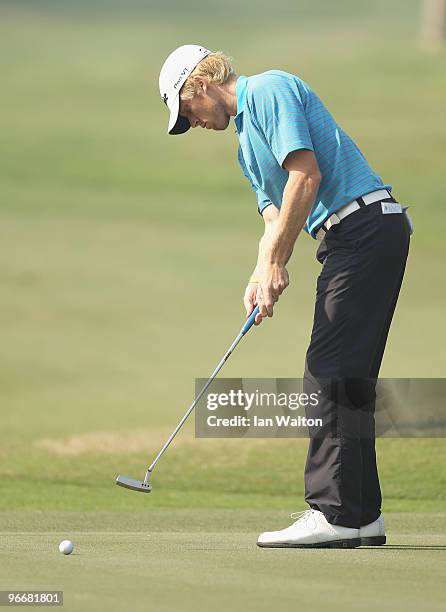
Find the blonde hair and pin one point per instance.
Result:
(216, 67)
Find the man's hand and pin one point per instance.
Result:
(250, 300)
(272, 283)
(265, 291)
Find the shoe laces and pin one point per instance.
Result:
(302, 516)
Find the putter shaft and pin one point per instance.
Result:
(194, 403)
(144, 485)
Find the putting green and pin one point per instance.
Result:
(207, 560)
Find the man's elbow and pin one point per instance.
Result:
(309, 177)
(302, 166)
(315, 178)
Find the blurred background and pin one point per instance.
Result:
(124, 253)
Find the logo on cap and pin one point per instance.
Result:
(180, 79)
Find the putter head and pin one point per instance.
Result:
(135, 485)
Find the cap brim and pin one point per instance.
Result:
(177, 123)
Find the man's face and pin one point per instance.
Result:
(205, 109)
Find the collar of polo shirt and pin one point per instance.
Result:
(240, 92)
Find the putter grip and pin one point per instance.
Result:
(250, 321)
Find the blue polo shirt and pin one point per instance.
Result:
(278, 113)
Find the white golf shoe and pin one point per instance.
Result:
(373, 534)
(311, 530)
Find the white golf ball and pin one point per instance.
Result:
(66, 547)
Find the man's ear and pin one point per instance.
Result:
(202, 85)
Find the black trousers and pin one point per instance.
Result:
(363, 259)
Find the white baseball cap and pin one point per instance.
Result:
(174, 73)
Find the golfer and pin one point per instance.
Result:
(308, 174)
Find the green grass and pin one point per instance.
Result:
(123, 259)
(76, 473)
(146, 562)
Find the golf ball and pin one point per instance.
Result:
(66, 547)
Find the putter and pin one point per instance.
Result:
(143, 486)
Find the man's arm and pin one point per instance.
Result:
(281, 231)
(270, 216)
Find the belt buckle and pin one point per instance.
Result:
(333, 219)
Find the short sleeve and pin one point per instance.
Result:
(262, 199)
(280, 115)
